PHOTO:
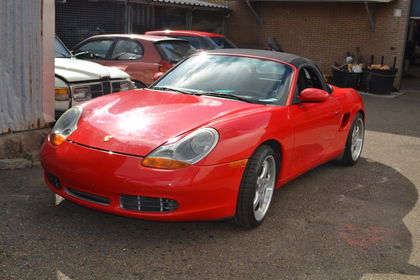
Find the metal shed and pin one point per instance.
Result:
(26, 69)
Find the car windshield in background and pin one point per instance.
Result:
(199, 42)
(95, 49)
(60, 49)
(244, 78)
(223, 43)
(175, 51)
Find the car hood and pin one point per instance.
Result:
(137, 122)
(77, 70)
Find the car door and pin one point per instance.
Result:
(95, 50)
(316, 125)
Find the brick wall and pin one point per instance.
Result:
(242, 27)
(323, 32)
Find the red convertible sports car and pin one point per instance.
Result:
(211, 139)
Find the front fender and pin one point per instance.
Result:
(241, 136)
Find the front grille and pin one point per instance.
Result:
(53, 180)
(106, 88)
(88, 197)
(102, 88)
(148, 204)
(96, 90)
(116, 86)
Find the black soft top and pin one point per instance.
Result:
(285, 57)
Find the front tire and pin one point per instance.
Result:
(354, 143)
(257, 188)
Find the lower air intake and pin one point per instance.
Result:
(88, 197)
(53, 180)
(148, 204)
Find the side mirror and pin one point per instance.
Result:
(157, 75)
(313, 95)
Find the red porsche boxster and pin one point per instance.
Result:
(211, 139)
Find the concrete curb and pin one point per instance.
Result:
(393, 94)
(15, 163)
(21, 149)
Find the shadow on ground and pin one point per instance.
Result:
(398, 115)
(331, 223)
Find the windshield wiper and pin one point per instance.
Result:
(227, 95)
(172, 89)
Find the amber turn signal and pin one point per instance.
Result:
(61, 94)
(238, 163)
(56, 139)
(164, 163)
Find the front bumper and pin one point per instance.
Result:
(201, 192)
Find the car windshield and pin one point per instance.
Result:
(175, 51)
(60, 49)
(236, 77)
(223, 42)
(199, 42)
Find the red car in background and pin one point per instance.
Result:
(198, 39)
(141, 56)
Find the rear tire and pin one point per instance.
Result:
(354, 143)
(257, 188)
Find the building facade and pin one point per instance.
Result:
(324, 31)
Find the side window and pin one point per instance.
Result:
(96, 49)
(127, 50)
(308, 79)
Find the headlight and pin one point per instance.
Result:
(126, 85)
(185, 151)
(65, 125)
(61, 94)
(81, 93)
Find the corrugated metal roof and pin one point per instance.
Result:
(334, 1)
(192, 3)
